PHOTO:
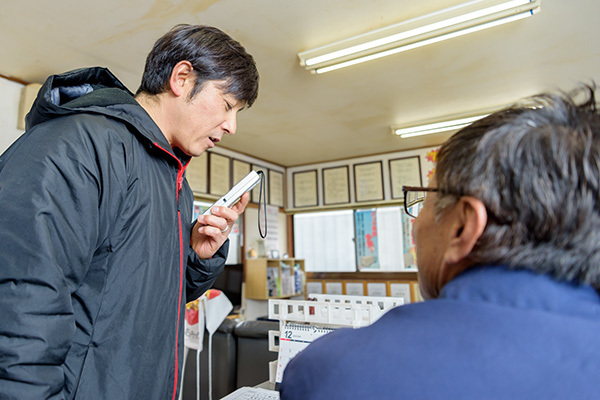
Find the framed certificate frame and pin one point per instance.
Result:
(255, 193)
(239, 169)
(275, 188)
(219, 181)
(376, 289)
(401, 289)
(197, 174)
(368, 181)
(336, 185)
(354, 288)
(334, 287)
(305, 188)
(404, 171)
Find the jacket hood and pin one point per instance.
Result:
(91, 90)
(58, 90)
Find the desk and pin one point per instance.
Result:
(266, 385)
(258, 392)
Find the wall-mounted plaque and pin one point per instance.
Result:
(239, 169)
(336, 185)
(378, 289)
(276, 188)
(219, 173)
(196, 173)
(255, 193)
(368, 181)
(355, 288)
(305, 188)
(334, 287)
(404, 171)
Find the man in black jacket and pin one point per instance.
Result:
(97, 253)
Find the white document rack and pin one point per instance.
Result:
(303, 321)
(340, 310)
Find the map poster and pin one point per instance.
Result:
(367, 254)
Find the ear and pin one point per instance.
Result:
(470, 219)
(182, 75)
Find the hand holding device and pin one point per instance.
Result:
(233, 196)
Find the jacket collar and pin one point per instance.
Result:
(521, 288)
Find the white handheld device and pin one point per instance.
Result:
(232, 197)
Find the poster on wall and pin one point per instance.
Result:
(367, 253)
(380, 240)
(408, 242)
(272, 239)
(199, 208)
(428, 160)
(234, 254)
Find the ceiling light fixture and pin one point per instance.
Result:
(449, 23)
(437, 127)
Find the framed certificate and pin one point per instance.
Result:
(305, 188)
(336, 185)
(404, 171)
(219, 174)
(376, 289)
(354, 288)
(276, 188)
(332, 287)
(314, 287)
(368, 181)
(400, 289)
(255, 193)
(196, 173)
(239, 169)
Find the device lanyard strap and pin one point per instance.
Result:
(262, 198)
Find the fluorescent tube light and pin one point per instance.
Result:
(432, 28)
(438, 127)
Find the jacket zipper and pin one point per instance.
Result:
(180, 171)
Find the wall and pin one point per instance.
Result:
(276, 233)
(387, 183)
(198, 173)
(10, 95)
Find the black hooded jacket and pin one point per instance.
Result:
(95, 261)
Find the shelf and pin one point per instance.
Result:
(274, 278)
(285, 297)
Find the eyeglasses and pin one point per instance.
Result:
(414, 196)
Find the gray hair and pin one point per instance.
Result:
(536, 167)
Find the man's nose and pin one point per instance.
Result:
(230, 125)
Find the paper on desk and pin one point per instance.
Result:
(252, 393)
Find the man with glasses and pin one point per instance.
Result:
(507, 237)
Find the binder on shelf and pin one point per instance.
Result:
(274, 278)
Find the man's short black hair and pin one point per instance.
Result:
(214, 55)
